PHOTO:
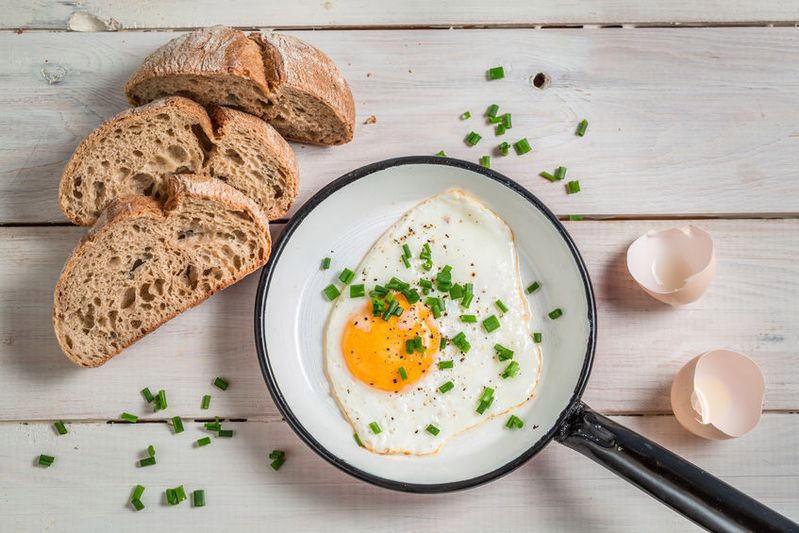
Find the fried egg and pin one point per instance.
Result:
(403, 389)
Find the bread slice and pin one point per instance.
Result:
(133, 153)
(142, 264)
(278, 78)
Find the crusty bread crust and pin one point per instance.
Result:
(181, 187)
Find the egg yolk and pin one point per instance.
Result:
(374, 349)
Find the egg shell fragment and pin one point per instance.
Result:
(674, 265)
(718, 395)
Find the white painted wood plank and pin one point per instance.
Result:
(752, 306)
(105, 15)
(682, 121)
(88, 486)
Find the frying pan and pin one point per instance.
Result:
(342, 221)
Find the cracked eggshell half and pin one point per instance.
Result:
(674, 265)
(718, 395)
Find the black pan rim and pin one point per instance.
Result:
(282, 404)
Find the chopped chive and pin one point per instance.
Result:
(514, 422)
(456, 292)
(326, 263)
(495, 120)
(357, 440)
(357, 291)
(473, 138)
(198, 498)
(180, 492)
(496, 73)
(148, 396)
(441, 154)
(442, 365)
(206, 401)
(151, 450)
(442, 343)
(466, 115)
(486, 399)
(522, 146)
(177, 424)
(461, 342)
(406, 262)
(560, 173)
(406, 250)
(331, 292)
(46, 460)
(375, 428)
(390, 310)
(501, 306)
(573, 187)
(220, 383)
(409, 347)
(467, 299)
(581, 127)
(446, 387)
(227, 433)
(138, 490)
(147, 461)
(506, 123)
(417, 344)
(503, 354)
(537, 337)
(397, 284)
(346, 276)
(504, 148)
(171, 497)
(492, 110)
(278, 458)
(137, 504)
(511, 370)
(534, 286)
(213, 426)
(425, 283)
(127, 417)
(575, 218)
(161, 400)
(555, 313)
(60, 428)
(485, 161)
(491, 323)
(499, 129)
(548, 176)
(204, 441)
(469, 319)
(403, 374)
(436, 310)
(432, 429)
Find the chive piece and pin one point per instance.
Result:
(485, 161)
(357, 440)
(406, 250)
(469, 319)
(206, 401)
(503, 354)
(506, 123)
(436, 310)
(213, 426)
(511, 370)
(357, 291)
(151, 450)
(499, 129)
(331, 292)
(560, 173)
(514, 422)
(575, 218)
(326, 263)
(443, 365)
(501, 306)
(346, 276)
(137, 504)
(504, 148)
(522, 146)
(171, 497)
(466, 115)
(204, 441)
(375, 428)
(456, 292)
(138, 490)
(442, 343)
(278, 458)
(492, 110)
(180, 492)
(432, 429)
(425, 283)
(495, 120)
(417, 344)
(220, 383)
(491, 323)
(46, 460)
(496, 73)
(486, 399)
(547, 176)
(555, 313)
(446, 387)
(409, 346)
(127, 417)
(473, 138)
(441, 154)
(534, 286)
(161, 401)
(467, 299)
(581, 127)
(60, 428)
(198, 498)
(148, 396)
(227, 433)
(177, 424)
(406, 262)
(573, 187)
(412, 295)
(403, 374)
(460, 341)
(147, 461)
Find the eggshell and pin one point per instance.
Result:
(674, 265)
(718, 395)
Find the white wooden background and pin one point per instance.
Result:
(694, 114)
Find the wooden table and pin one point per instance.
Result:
(694, 118)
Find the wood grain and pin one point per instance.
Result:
(682, 121)
(89, 485)
(111, 15)
(752, 306)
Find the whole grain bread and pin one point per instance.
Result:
(135, 151)
(279, 78)
(143, 263)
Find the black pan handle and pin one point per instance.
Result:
(683, 486)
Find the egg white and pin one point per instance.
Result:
(479, 246)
